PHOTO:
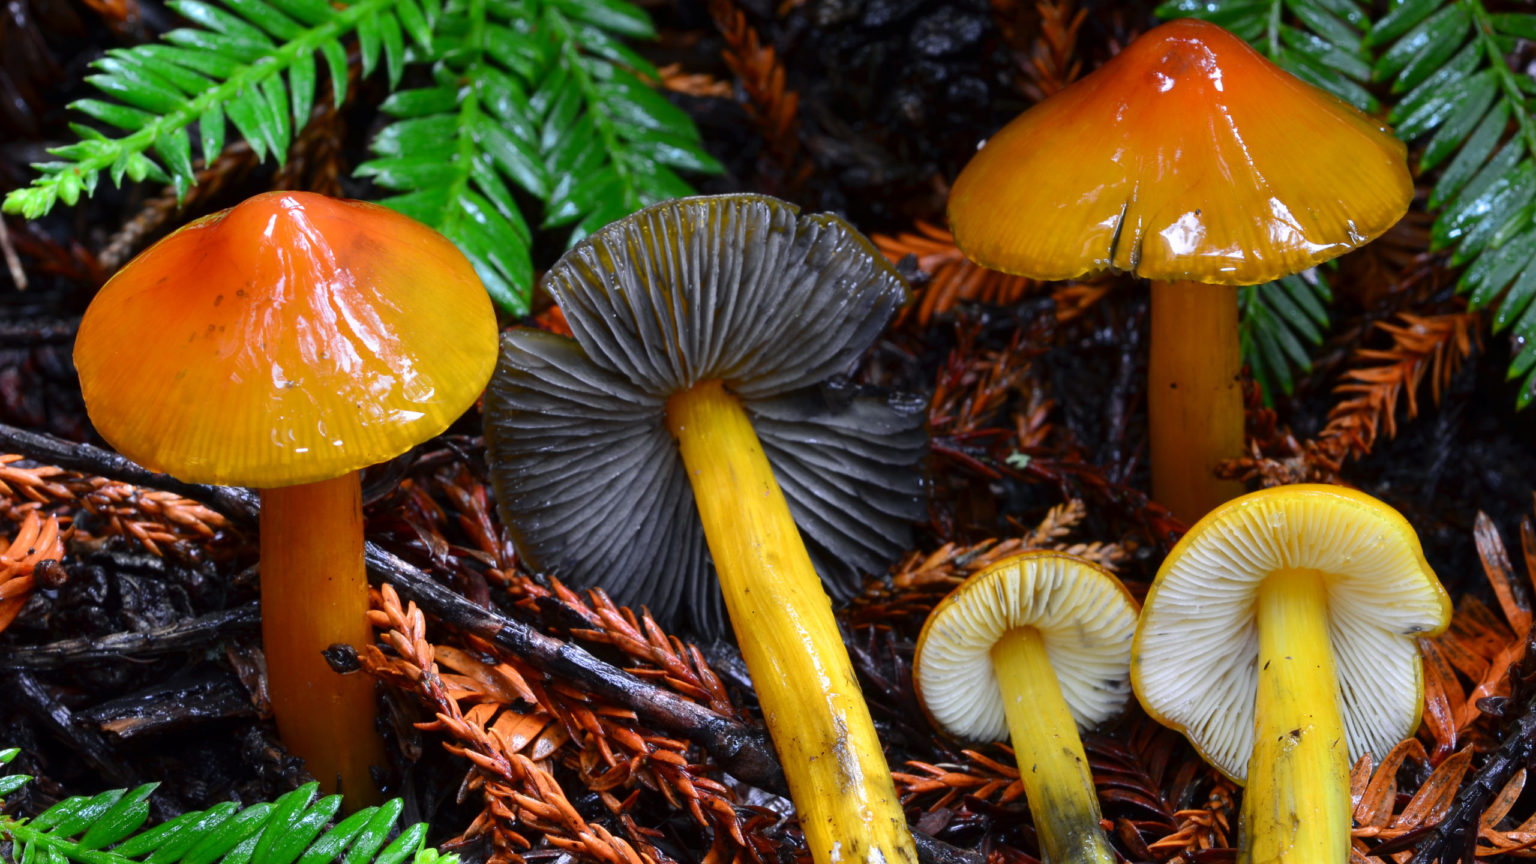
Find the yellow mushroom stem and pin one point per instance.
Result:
(1052, 764)
(314, 594)
(820, 725)
(1194, 395)
(1296, 805)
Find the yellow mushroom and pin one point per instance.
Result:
(1280, 638)
(687, 424)
(1032, 648)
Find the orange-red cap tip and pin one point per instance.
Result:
(1186, 156)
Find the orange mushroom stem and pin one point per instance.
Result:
(1195, 410)
(314, 594)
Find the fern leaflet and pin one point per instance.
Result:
(543, 96)
(105, 829)
(1474, 115)
(1279, 320)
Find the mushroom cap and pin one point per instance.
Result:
(1195, 661)
(290, 339)
(1186, 156)
(739, 288)
(1085, 618)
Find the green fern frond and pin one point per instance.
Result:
(1476, 121)
(105, 829)
(1319, 41)
(542, 97)
(1279, 320)
(250, 63)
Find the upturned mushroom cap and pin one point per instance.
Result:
(1186, 156)
(1195, 660)
(739, 288)
(1084, 615)
(290, 339)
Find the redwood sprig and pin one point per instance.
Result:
(951, 277)
(1423, 348)
(772, 106)
(37, 542)
(515, 725)
(1431, 346)
(1049, 61)
(157, 520)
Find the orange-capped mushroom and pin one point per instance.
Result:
(285, 344)
(1186, 159)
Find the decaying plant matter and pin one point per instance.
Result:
(514, 727)
(530, 719)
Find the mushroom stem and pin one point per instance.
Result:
(820, 725)
(1194, 397)
(314, 594)
(1050, 754)
(1296, 806)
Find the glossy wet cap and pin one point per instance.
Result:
(290, 339)
(1186, 156)
(1195, 661)
(1085, 618)
(740, 288)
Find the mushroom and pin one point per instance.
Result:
(1191, 160)
(1280, 638)
(1032, 648)
(284, 344)
(684, 425)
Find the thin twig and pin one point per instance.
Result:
(129, 646)
(234, 502)
(12, 261)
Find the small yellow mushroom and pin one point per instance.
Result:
(1280, 638)
(1033, 647)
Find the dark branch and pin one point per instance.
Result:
(234, 502)
(1453, 837)
(744, 751)
(87, 744)
(192, 633)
